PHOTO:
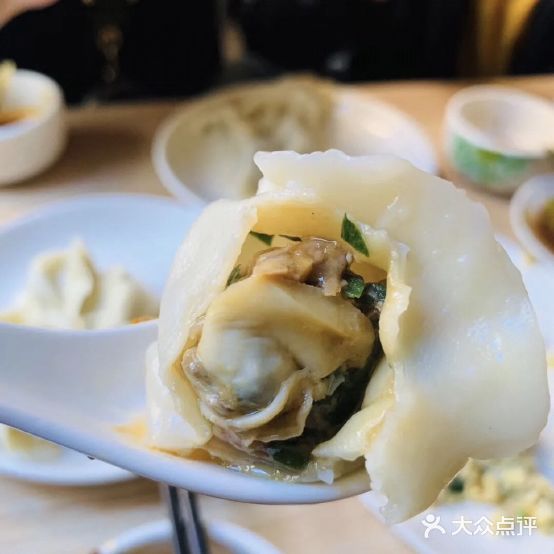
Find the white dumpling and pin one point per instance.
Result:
(65, 290)
(465, 372)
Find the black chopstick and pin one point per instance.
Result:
(188, 532)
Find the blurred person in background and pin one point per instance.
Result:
(114, 48)
(511, 36)
(358, 40)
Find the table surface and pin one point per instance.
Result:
(109, 151)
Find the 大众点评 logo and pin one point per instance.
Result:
(504, 526)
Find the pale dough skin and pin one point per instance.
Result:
(465, 371)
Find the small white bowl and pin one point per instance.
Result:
(359, 124)
(232, 537)
(31, 145)
(498, 137)
(525, 206)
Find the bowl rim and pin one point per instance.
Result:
(518, 216)
(229, 535)
(162, 167)
(459, 124)
(49, 111)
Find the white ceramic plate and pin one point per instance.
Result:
(236, 539)
(412, 532)
(69, 468)
(360, 124)
(540, 286)
(141, 233)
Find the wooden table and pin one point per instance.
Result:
(109, 151)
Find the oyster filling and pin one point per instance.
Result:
(285, 353)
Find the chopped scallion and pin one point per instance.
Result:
(267, 239)
(353, 236)
(354, 287)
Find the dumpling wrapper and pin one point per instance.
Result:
(467, 373)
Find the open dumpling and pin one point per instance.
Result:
(356, 310)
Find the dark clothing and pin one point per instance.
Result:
(534, 51)
(357, 39)
(169, 47)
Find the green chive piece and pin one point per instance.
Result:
(290, 237)
(291, 457)
(353, 236)
(267, 239)
(354, 287)
(234, 276)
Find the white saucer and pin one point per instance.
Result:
(69, 468)
(236, 539)
(139, 232)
